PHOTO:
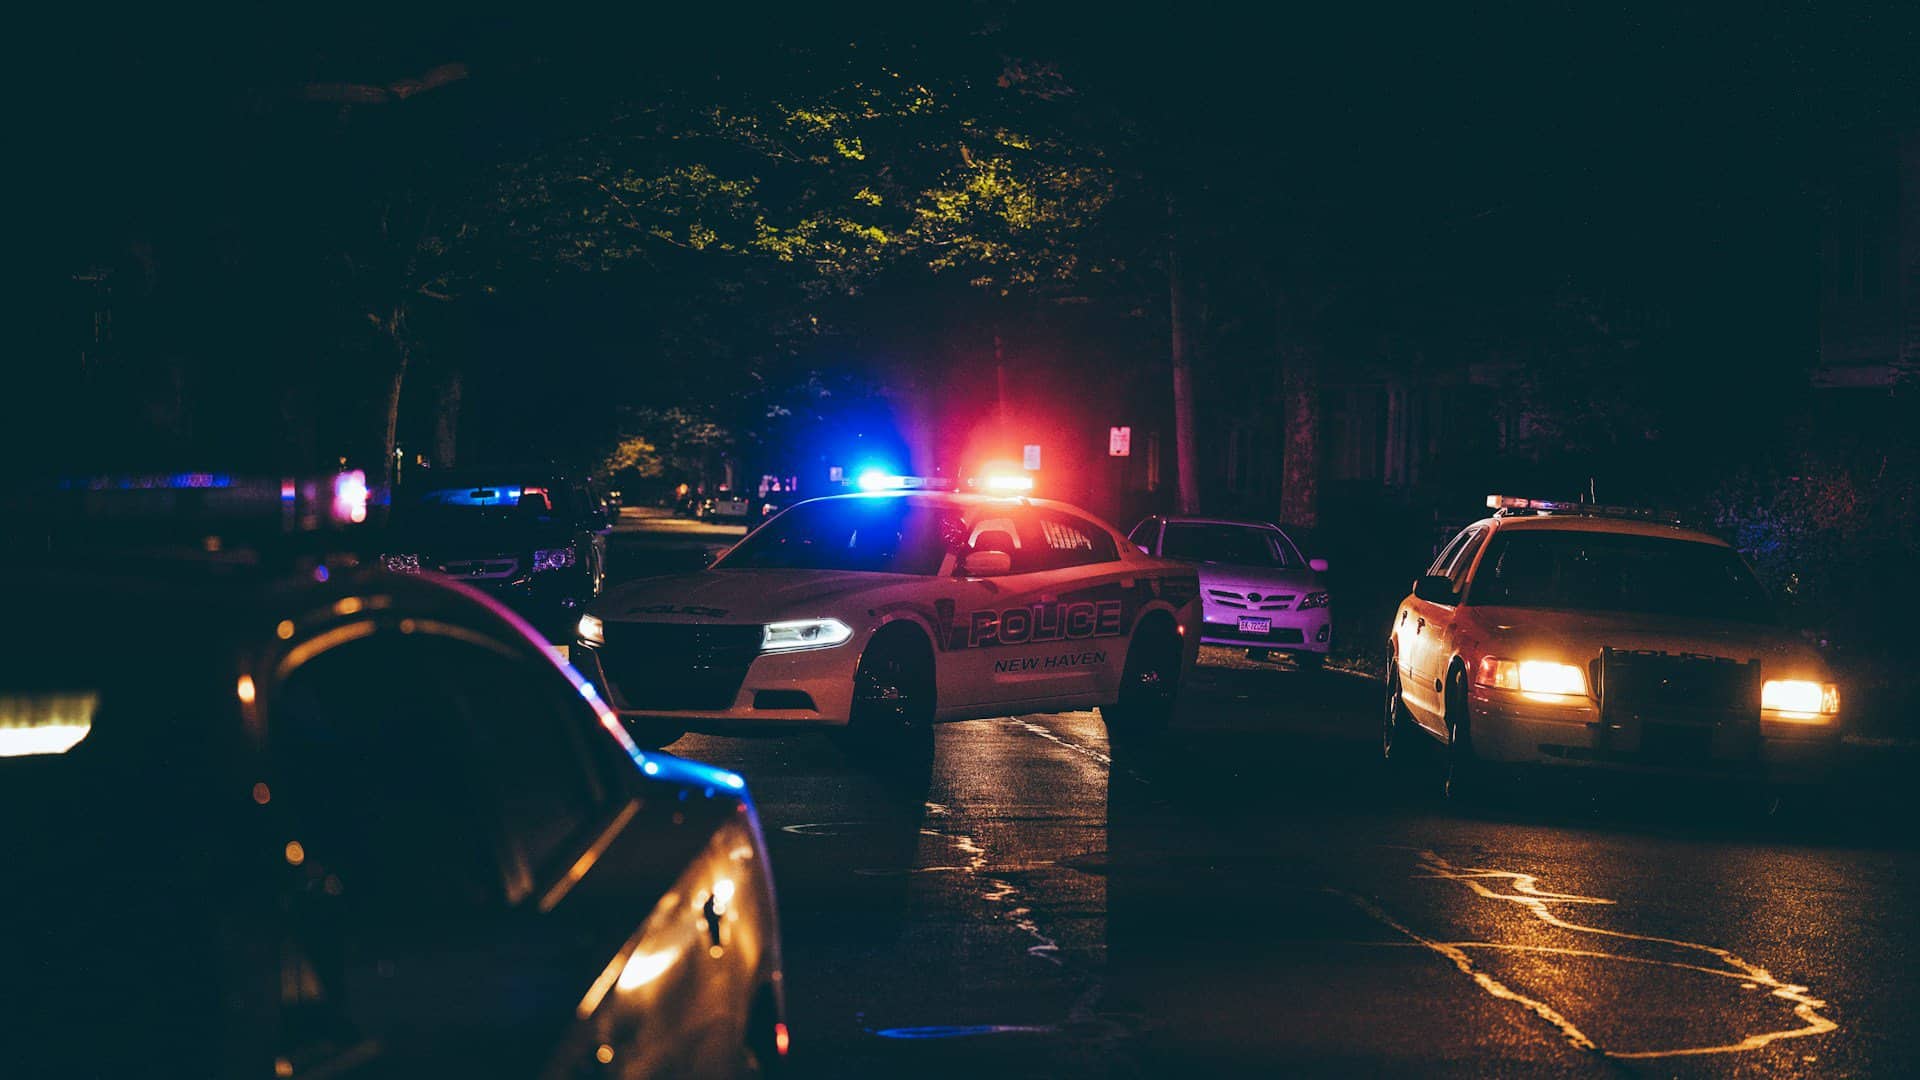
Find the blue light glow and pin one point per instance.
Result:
(961, 1031)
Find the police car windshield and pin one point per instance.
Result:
(1594, 571)
(1236, 545)
(877, 534)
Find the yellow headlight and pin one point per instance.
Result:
(1544, 680)
(1800, 699)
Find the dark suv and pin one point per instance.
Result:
(532, 538)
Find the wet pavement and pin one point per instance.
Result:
(1250, 893)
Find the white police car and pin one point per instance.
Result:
(886, 612)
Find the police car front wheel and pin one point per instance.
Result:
(893, 702)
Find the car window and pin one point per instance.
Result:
(1232, 545)
(1145, 533)
(372, 763)
(1592, 571)
(1052, 540)
(533, 748)
(1445, 558)
(465, 755)
(881, 534)
(1456, 570)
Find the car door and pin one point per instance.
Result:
(1427, 623)
(1054, 628)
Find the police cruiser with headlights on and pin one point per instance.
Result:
(889, 611)
(1567, 634)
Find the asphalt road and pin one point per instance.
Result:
(1250, 893)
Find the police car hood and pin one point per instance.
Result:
(1261, 579)
(1580, 636)
(740, 595)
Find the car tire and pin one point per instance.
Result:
(1149, 684)
(893, 701)
(1465, 779)
(1401, 740)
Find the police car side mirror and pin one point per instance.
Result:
(1144, 549)
(1318, 566)
(1434, 589)
(987, 564)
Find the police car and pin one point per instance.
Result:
(273, 814)
(888, 611)
(1574, 635)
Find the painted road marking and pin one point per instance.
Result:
(1525, 891)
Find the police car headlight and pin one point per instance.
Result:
(1539, 680)
(1314, 600)
(591, 629)
(1800, 700)
(804, 634)
(401, 564)
(554, 559)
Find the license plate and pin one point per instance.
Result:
(1251, 625)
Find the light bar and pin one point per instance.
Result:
(1514, 503)
(1009, 483)
(880, 480)
(216, 500)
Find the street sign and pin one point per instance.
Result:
(1119, 442)
(1030, 457)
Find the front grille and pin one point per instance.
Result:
(1247, 601)
(503, 566)
(1688, 710)
(674, 666)
(1666, 687)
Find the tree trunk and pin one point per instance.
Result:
(1186, 470)
(396, 331)
(1300, 406)
(446, 421)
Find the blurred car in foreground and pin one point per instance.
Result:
(1258, 591)
(325, 821)
(887, 612)
(1573, 635)
(532, 538)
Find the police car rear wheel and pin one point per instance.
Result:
(1150, 682)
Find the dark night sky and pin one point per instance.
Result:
(1676, 153)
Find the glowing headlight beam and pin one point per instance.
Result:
(1800, 699)
(804, 634)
